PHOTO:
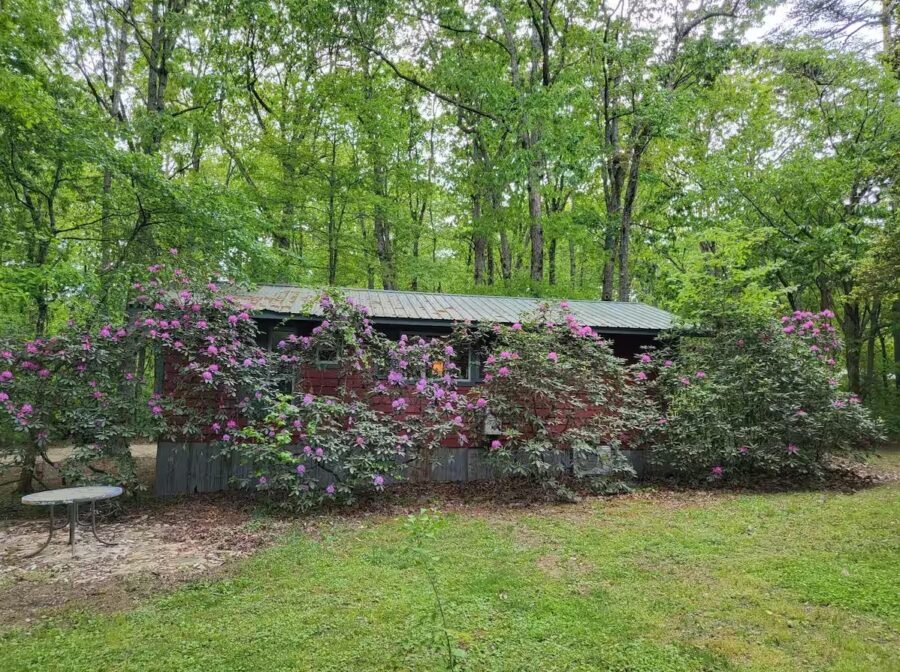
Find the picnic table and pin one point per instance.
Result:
(72, 497)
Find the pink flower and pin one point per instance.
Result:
(320, 452)
(330, 489)
(6, 375)
(44, 373)
(684, 380)
(481, 403)
(552, 356)
(516, 327)
(156, 410)
(743, 450)
(701, 374)
(308, 399)
(4, 396)
(564, 305)
(792, 449)
(506, 354)
(263, 480)
(646, 359)
(641, 375)
(378, 481)
(717, 470)
(301, 469)
(503, 371)
(668, 363)
(173, 251)
(789, 329)
(207, 376)
(496, 444)
(399, 404)
(360, 440)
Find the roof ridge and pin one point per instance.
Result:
(477, 296)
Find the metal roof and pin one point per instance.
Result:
(388, 306)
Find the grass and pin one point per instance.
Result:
(796, 581)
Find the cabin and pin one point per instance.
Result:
(285, 310)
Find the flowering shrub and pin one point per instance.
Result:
(81, 386)
(555, 399)
(88, 386)
(388, 405)
(755, 399)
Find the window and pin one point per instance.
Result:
(467, 367)
(286, 383)
(326, 357)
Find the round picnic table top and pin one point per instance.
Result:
(90, 493)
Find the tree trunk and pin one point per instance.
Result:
(572, 263)
(634, 170)
(383, 247)
(505, 257)
(479, 242)
(551, 261)
(895, 334)
(852, 328)
(536, 230)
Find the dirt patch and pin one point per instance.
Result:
(157, 548)
(557, 567)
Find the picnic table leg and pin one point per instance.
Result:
(94, 526)
(73, 523)
(49, 536)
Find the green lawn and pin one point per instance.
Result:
(800, 581)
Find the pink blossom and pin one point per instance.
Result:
(481, 403)
(641, 375)
(516, 326)
(792, 449)
(490, 359)
(330, 489)
(646, 359)
(503, 371)
(552, 356)
(743, 450)
(6, 375)
(207, 376)
(44, 373)
(301, 468)
(308, 399)
(496, 444)
(4, 396)
(378, 481)
(156, 410)
(717, 470)
(701, 374)
(399, 404)
(173, 251)
(668, 363)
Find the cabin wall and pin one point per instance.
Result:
(190, 467)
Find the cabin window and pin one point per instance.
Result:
(326, 357)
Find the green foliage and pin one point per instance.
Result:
(555, 400)
(755, 399)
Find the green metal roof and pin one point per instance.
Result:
(401, 307)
